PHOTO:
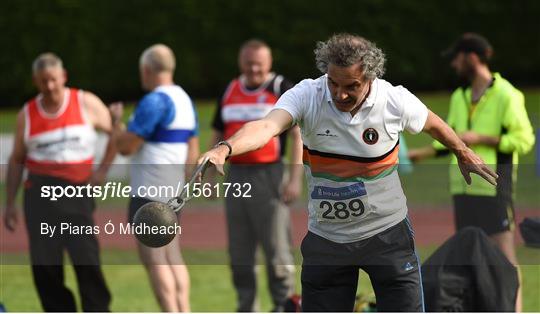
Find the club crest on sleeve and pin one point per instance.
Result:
(370, 136)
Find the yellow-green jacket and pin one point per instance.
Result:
(500, 112)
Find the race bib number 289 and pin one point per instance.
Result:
(342, 204)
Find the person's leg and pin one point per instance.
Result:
(46, 253)
(242, 247)
(504, 239)
(180, 274)
(83, 250)
(278, 257)
(394, 270)
(329, 288)
(396, 291)
(328, 285)
(53, 294)
(271, 219)
(161, 277)
(501, 218)
(159, 266)
(95, 296)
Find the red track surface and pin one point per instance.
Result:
(206, 229)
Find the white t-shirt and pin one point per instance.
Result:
(351, 161)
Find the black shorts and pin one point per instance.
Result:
(330, 272)
(493, 214)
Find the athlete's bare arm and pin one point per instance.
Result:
(97, 112)
(293, 188)
(100, 118)
(126, 142)
(252, 136)
(468, 161)
(14, 173)
(192, 155)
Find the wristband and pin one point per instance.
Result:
(226, 144)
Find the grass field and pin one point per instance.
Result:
(211, 290)
(211, 284)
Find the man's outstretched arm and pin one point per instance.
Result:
(252, 136)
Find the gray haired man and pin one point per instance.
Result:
(351, 121)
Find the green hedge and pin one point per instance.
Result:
(100, 41)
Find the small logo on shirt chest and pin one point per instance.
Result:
(327, 133)
(370, 136)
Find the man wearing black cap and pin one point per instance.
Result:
(489, 115)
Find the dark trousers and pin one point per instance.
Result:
(47, 253)
(263, 220)
(330, 272)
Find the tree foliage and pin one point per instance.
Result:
(100, 40)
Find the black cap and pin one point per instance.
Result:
(470, 42)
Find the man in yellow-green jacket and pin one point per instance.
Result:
(490, 117)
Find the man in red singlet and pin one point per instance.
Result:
(55, 140)
(263, 218)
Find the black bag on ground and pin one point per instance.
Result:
(468, 273)
(530, 231)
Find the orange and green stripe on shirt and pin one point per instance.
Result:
(338, 167)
